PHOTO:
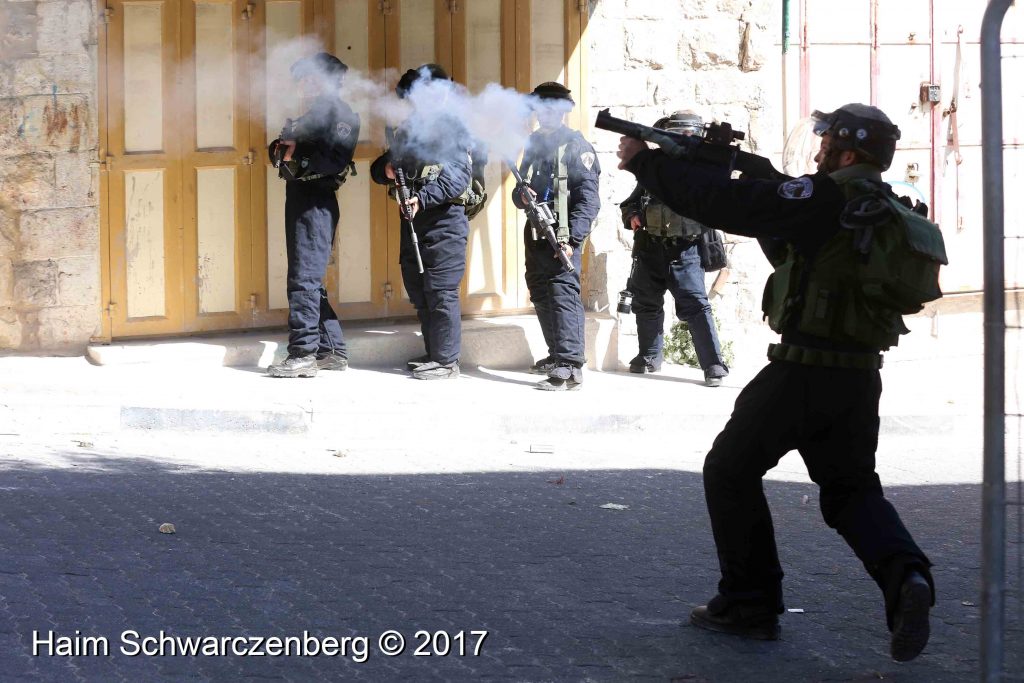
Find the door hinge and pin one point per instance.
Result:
(109, 310)
(106, 15)
(385, 7)
(389, 291)
(453, 6)
(248, 158)
(103, 163)
(583, 6)
(248, 11)
(253, 302)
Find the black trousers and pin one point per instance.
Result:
(442, 233)
(555, 295)
(674, 267)
(310, 218)
(830, 416)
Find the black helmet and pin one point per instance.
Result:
(682, 121)
(321, 64)
(553, 91)
(427, 72)
(862, 128)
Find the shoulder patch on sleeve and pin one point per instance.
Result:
(343, 130)
(798, 188)
(588, 159)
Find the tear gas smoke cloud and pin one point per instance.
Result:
(497, 117)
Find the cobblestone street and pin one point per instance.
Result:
(277, 541)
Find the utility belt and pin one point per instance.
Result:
(340, 177)
(666, 240)
(824, 358)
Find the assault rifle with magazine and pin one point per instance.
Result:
(542, 219)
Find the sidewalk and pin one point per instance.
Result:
(184, 386)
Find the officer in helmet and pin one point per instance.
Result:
(432, 149)
(313, 155)
(819, 393)
(667, 258)
(560, 168)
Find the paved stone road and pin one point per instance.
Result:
(276, 539)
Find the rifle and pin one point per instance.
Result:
(715, 148)
(541, 219)
(402, 190)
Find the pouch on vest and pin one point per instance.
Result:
(711, 248)
(661, 221)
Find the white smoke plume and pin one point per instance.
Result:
(498, 117)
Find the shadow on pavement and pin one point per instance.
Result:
(566, 590)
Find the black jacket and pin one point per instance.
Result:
(325, 139)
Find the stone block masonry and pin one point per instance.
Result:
(49, 207)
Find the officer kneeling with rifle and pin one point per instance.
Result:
(853, 260)
(314, 156)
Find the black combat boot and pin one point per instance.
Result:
(910, 628)
(331, 360)
(642, 365)
(294, 366)
(543, 366)
(739, 619)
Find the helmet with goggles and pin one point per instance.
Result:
(861, 128)
(682, 121)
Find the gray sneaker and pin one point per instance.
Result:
(563, 377)
(414, 363)
(434, 370)
(331, 360)
(294, 366)
(714, 375)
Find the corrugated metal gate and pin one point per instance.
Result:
(887, 53)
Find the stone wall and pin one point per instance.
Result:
(717, 57)
(49, 224)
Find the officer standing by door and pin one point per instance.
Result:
(431, 148)
(819, 393)
(314, 156)
(667, 258)
(560, 168)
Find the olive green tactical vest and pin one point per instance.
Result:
(661, 221)
(882, 264)
(472, 199)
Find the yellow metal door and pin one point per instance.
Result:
(278, 28)
(143, 167)
(216, 165)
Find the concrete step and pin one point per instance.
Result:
(504, 342)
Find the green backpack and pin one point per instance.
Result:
(883, 264)
(900, 250)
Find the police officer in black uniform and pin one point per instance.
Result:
(819, 393)
(560, 167)
(667, 258)
(432, 148)
(314, 156)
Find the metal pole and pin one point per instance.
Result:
(993, 492)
